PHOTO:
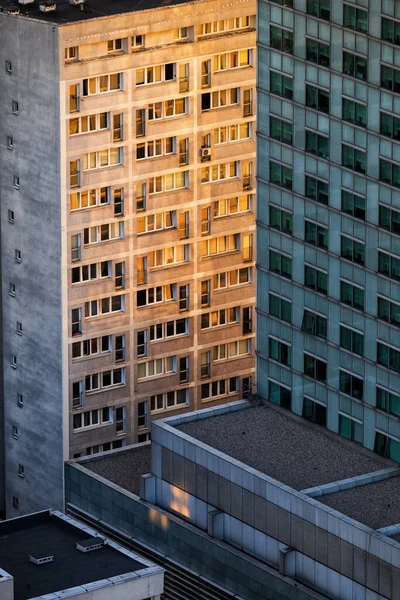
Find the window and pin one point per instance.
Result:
(169, 108)
(91, 272)
(314, 367)
(169, 400)
(280, 352)
(281, 85)
(205, 220)
(280, 219)
(12, 289)
(319, 8)
(98, 381)
(280, 308)
(169, 256)
(314, 411)
(114, 46)
(205, 73)
(77, 394)
(76, 247)
(71, 53)
(219, 99)
(120, 275)
(316, 279)
(221, 387)
(205, 293)
(137, 42)
(156, 148)
(74, 173)
(15, 107)
(156, 367)
(223, 25)
(354, 159)
(16, 182)
(390, 79)
(90, 198)
(205, 368)
(352, 295)
(166, 183)
(350, 429)
(317, 52)
(8, 67)
(314, 324)
(353, 205)
(355, 18)
(103, 158)
(282, 131)
(317, 144)
(169, 329)
(387, 401)
(156, 222)
(389, 265)
(353, 250)
(91, 347)
(141, 269)
(387, 446)
(118, 195)
(183, 152)
(317, 98)
(10, 143)
(316, 235)
(351, 385)
(388, 357)
(389, 311)
(15, 502)
(232, 60)
(142, 419)
(184, 363)
(355, 66)
(280, 175)
(232, 133)
(351, 340)
(156, 295)
(102, 84)
(389, 219)
(232, 206)
(231, 350)
(13, 362)
(184, 77)
(279, 395)
(76, 320)
(232, 278)
(220, 245)
(389, 173)
(74, 97)
(247, 320)
(391, 31)
(20, 400)
(103, 233)
(354, 112)
(247, 103)
(218, 318)
(280, 264)
(120, 419)
(184, 297)
(140, 197)
(18, 256)
(317, 190)
(11, 216)
(92, 418)
(19, 328)
(281, 39)
(14, 432)
(89, 123)
(156, 74)
(104, 306)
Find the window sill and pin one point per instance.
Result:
(106, 315)
(153, 377)
(90, 427)
(104, 389)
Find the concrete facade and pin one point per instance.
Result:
(150, 232)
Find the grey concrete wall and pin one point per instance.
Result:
(32, 48)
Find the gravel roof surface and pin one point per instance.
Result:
(283, 447)
(123, 468)
(376, 505)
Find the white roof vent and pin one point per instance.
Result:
(42, 560)
(26, 1)
(76, 2)
(90, 544)
(47, 6)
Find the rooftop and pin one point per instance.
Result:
(123, 467)
(284, 447)
(92, 9)
(52, 534)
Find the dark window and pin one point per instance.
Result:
(206, 101)
(353, 205)
(389, 311)
(319, 8)
(352, 295)
(280, 175)
(354, 112)
(317, 98)
(354, 159)
(350, 429)
(355, 18)
(317, 190)
(279, 395)
(315, 368)
(314, 324)
(317, 52)
(317, 144)
(390, 79)
(390, 126)
(387, 447)
(280, 264)
(280, 308)
(315, 279)
(389, 173)
(280, 352)
(280, 85)
(355, 66)
(389, 219)
(169, 71)
(316, 235)
(391, 31)
(282, 131)
(388, 357)
(314, 412)
(352, 250)
(387, 401)
(389, 265)
(280, 219)
(351, 340)
(351, 385)
(281, 39)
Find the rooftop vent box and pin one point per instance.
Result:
(42, 560)
(13, 11)
(90, 544)
(47, 6)
(26, 1)
(76, 2)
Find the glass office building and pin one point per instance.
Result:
(328, 232)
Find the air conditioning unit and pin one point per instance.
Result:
(205, 152)
(26, 1)
(47, 6)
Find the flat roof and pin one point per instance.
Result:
(45, 534)
(284, 447)
(375, 504)
(92, 9)
(123, 467)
